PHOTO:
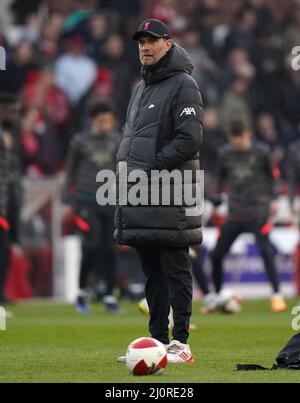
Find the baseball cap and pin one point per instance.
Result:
(153, 27)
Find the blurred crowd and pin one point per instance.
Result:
(64, 55)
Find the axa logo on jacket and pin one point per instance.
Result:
(188, 112)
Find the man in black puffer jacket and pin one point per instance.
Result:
(163, 131)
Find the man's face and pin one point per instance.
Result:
(103, 123)
(242, 142)
(152, 49)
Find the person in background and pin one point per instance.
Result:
(96, 36)
(238, 63)
(4, 225)
(11, 192)
(205, 71)
(51, 32)
(235, 102)
(247, 170)
(22, 10)
(214, 139)
(294, 172)
(74, 71)
(10, 122)
(267, 131)
(13, 79)
(115, 61)
(242, 33)
(41, 93)
(90, 153)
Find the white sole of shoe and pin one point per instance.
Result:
(121, 359)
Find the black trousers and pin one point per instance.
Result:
(98, 252)
(168, 284)
(229, 233)
(4, 259)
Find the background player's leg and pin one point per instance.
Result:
(107, 260)
(85, 266)
(229, 233)
(265, 248)
(88, 235)
(263, 242)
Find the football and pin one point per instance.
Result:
(146, 356)
(230, 303)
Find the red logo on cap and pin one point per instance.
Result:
(147, 24)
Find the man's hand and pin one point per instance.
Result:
(193, 253)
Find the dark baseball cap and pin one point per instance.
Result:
(152, 27)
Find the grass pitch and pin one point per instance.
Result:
(53, 343)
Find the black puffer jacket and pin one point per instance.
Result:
(163, 131)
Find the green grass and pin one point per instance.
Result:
(52, 343)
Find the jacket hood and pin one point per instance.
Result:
(177, 60)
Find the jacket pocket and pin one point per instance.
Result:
(142, 151)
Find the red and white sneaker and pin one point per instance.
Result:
(179, 353)
(122, 358)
